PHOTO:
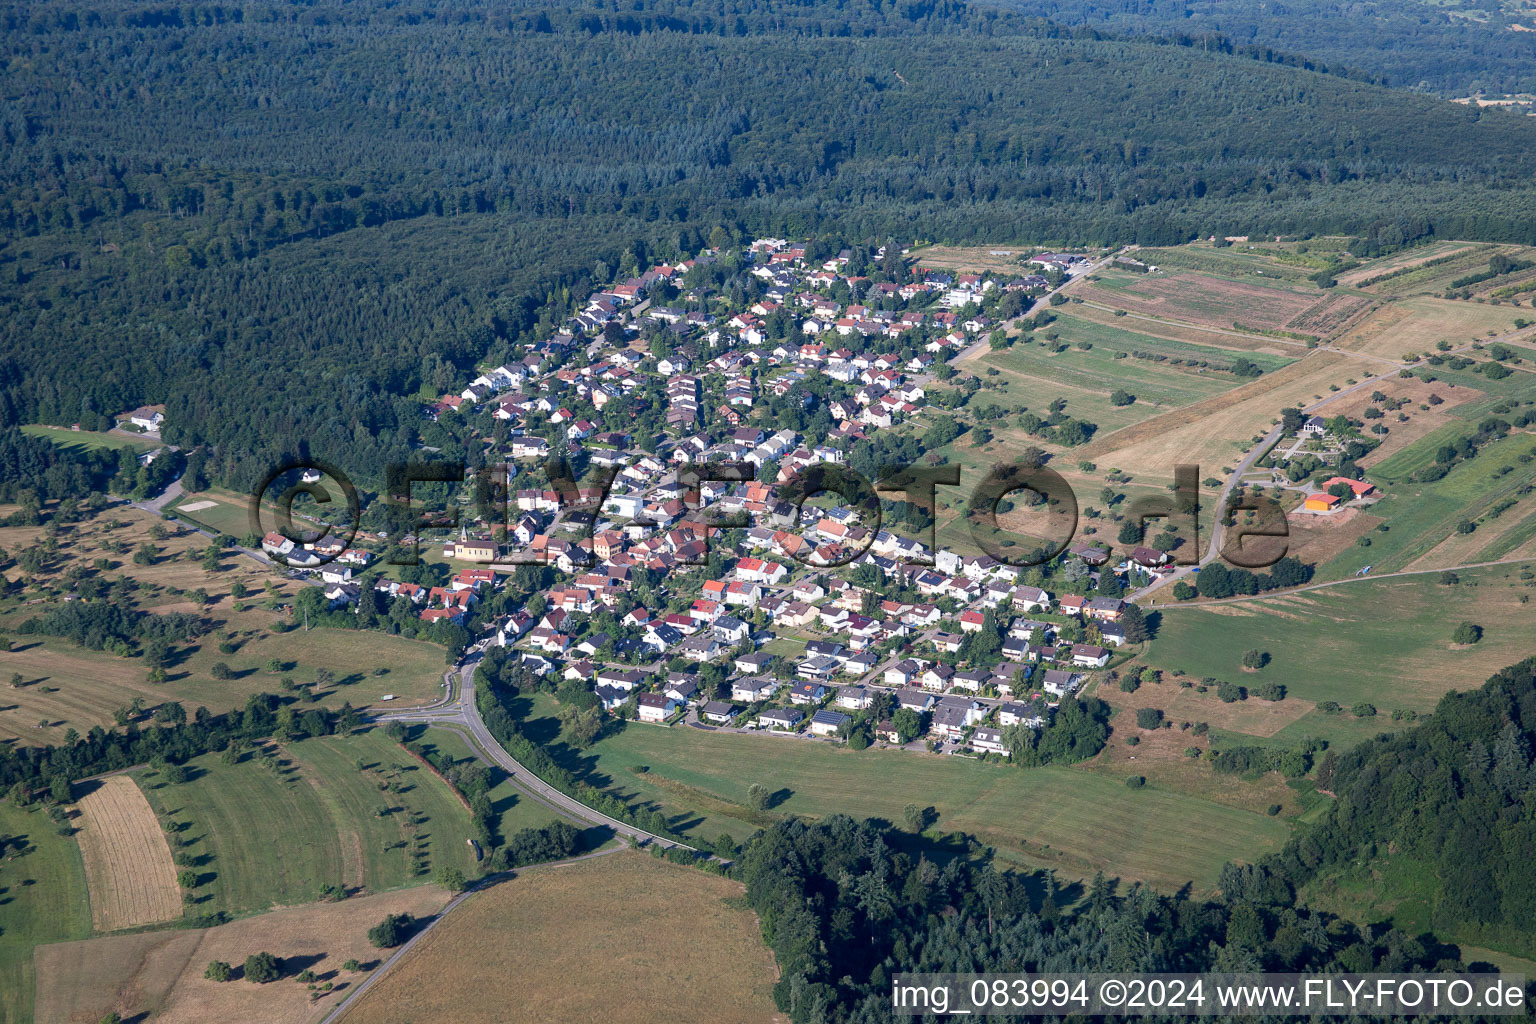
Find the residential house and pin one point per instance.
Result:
(719, 712)
(754, 690)
(988, 741)
(826, 723)
(654, 707)
(788, 719)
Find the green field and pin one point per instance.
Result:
(1239, 262)
(1075, 821)
(1125, 339)
(42, 899)
(1386, 642)
(280, 837)
(1098, 370)
(1419, 516)
(515, 809)
(89, 440)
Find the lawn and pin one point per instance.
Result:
(42, 899)
(622, 937)
(280, 836)
(1386, 642)
(1076, 821)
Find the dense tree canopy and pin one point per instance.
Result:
(288, 222)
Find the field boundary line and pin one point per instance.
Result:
(1339, 583)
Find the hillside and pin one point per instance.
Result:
(1434, 827)
(1451, 48)
(343, 204)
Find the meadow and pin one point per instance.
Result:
(1385, 642)
(69, 686)
(515, 810)
(1074, 820)
(622, 936)
(1421, 519)
(1274, 263)
(90, 440)
(1416, 324)
(42, 899)
(1204, 299)
(287, 821)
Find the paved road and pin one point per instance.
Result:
(460, 712)
(157, 505)
(983, 340)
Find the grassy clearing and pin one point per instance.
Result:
(1386, 642)
(89, 440)
(1075, 820)
(281, 835)
(160, 974)
(626, 925)
(42, 899)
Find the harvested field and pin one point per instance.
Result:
(608, 938)
(128, 864)
(1416, 324)
(1200, 299)
(160, 974)
(1214, 432)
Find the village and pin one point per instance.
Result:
(808, 622)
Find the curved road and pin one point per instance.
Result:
(460, 714)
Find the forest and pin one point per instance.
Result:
(290, 222)
(1452, 49)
